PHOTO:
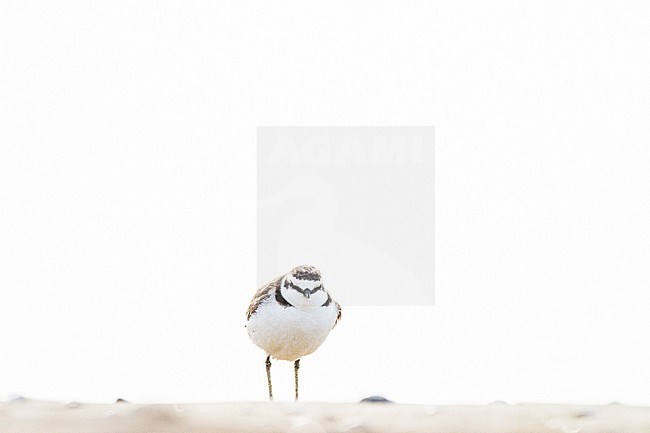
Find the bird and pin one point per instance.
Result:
(290, 317)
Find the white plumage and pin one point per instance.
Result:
(289, 333)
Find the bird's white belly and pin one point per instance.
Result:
(289, 333)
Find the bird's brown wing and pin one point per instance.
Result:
(263, 293)
(338, 316)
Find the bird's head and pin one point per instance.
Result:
(303, 287)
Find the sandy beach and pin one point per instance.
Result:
(30, 416)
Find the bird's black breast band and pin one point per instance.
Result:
(280, 298)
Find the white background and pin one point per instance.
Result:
(128, 205)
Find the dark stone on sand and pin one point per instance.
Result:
(375, 399)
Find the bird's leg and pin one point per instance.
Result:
(296, 367)
(268, 376)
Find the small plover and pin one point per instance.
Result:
(290, 317)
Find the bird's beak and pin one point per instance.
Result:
(307, 294)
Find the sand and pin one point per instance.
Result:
(31, 416)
